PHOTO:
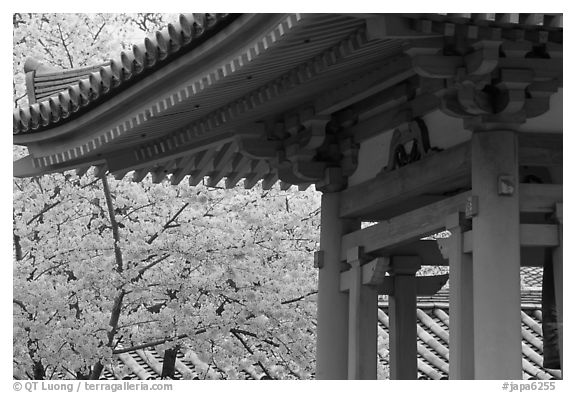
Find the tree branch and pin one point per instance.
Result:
(113, 223)
(138, 208)
(167, 225)
(148, 344)
(68, 54)
(98, 33)
(150, 265)
(46, 48)
(299, 298)
(251, 352)
(117, 306)
(17, 247)
(44, 210)
(22, 306)
(247, 333)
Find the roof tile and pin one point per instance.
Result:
(85, 88)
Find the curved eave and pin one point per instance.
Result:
(217, 73)
(56, 96)
(118, 107)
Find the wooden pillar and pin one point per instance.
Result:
(461, 302)
(332, 322)
(402, 314)
(362, 323)
(558, 285)
(496, 256)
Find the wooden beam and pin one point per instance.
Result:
(531, 235)
(533, 256)
(403, 113)
(539, 235)
(435, 174)
(540, 198)
(405, 228)
(537, 149)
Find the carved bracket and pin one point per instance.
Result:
(304, 148)
(491, 80)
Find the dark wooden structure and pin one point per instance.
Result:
(419, 122)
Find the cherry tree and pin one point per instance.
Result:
(102, 266)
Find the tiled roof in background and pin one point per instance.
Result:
(531, 277)
(433, 337)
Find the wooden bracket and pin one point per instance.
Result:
(301, 149)
(373, 273)
(488, 74)
(484, 59)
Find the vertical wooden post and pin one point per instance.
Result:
(496, 256)
(362, 323)
(461, 302)
(402, 309)
(558, 270)
(332, 322)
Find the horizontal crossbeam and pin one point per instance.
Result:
(433, 175)
(404, 228)
(539, 198)
(531, 235)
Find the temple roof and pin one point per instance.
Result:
(189, 99)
